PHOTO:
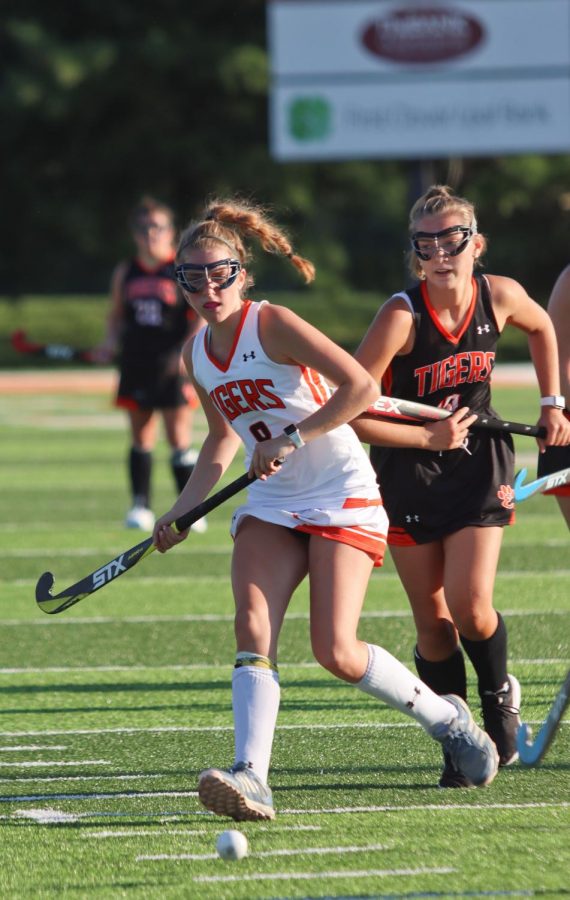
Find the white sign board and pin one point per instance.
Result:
(418, 78)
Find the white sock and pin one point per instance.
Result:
(388, 680)
(255, 701)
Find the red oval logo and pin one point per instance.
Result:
(423, 35)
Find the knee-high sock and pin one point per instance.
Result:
(255, 702)
(182, 464)
(489, 658)
(446, 676)
(388, 680)
(140, 469)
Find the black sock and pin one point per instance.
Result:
(140, 468)
(182, 466)
(444, 677)
(489, 658)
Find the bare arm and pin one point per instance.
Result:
(559, 312)
(106, 350)
(392, 333)
(289, 340)
(216, 454)
(513, 306)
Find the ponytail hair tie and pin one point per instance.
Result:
(290, 255)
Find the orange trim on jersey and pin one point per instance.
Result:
(223, 367)
(370, 542)
(453, 338)
(316, 384)
(399, 537)
(126, 403)
(358, 503)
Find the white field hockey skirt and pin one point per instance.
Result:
(360, 523)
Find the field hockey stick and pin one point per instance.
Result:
(125, 561)
(20, 342)
(408, 411)
(531, 753)
(541, 485)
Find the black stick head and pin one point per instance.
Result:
(43, 588)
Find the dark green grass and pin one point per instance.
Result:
(131, 690)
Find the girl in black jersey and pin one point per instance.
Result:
(448, 491)
(556, 458)
(148, 323)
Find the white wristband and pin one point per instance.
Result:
(292, 432)
(555, 400)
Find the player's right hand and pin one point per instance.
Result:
(450, 433)
(164, 537)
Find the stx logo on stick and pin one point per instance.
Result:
(108, 572)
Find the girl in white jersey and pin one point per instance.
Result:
(315, 509)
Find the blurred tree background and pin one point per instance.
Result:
(102, 102)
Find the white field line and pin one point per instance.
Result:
(25, 552)
(150, 795)
(150, 581)
(311, 876)
(229, 617)
(51, 778)
(20, 748)
(45, 816)
(208, 729)
(161, 815)
(85, 552)
(42, 763)
(100, 795)
(158, 831)
(304, 851)
(197, 667)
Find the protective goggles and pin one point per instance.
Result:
(194, 278)
(452, 241)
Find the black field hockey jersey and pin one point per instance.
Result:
(155, 320)
(444, 369)
(429, 494)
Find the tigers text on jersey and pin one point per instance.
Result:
(430, 494)
(330, 480)
(156, 315)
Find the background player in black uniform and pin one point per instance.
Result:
(148, 323)
(448, 491)
(556, 458)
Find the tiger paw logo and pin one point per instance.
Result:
(507, 496)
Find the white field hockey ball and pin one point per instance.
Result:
(232, 845)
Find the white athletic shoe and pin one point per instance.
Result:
(200, 526)
(470, 750)
(237, 793)
(140, 517)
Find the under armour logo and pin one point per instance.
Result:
(247, 356)
(411, 703)
(412, 519)
(483, 328)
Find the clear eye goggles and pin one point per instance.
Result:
(452, 241)
(194, 277)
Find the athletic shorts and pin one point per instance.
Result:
(364, 527)
(150, 384)
(553, 460)
(429, 495)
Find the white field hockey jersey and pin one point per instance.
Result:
(259, 397)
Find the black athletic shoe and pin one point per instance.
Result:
(452, 777)
(502, 719)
